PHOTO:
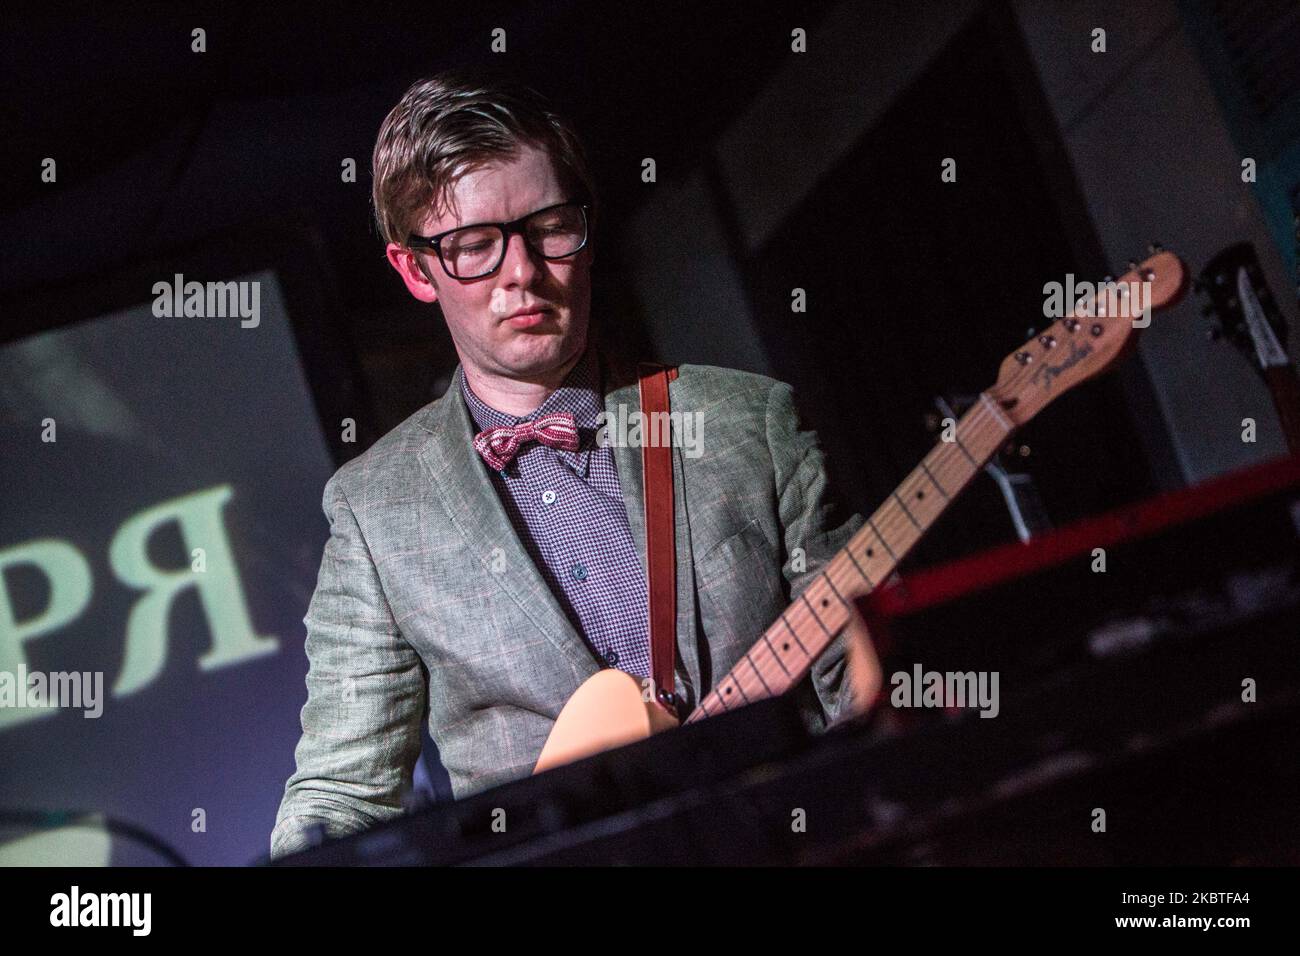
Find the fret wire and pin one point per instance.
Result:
(793, 634)
(767, 676)
(881, 538)
(968, 455)
(997, 412)
(849, 551)
(784, 678)
(804, 595)
(914, 486)
(735, 682)
(749, 657)
(829, 581)
(904, 507)
(775, 655)
(736, 673)
(933, 481)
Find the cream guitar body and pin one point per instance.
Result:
(607, 711)
(610, 710)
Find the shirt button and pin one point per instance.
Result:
(548, 497)
(612, 658)
(579, 572)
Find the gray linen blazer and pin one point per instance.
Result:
(427, 606)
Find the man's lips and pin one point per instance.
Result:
(526, 320)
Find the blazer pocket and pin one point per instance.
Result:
(739, 587)
(748, 545)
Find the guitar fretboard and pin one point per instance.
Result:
(786, 651)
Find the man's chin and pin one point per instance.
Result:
(536, 352)
(535, 341)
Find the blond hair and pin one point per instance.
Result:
(456, 121)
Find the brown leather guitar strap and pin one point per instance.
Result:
(660, 541)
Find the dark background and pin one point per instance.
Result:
(916, 287)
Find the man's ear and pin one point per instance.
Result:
(411, 269)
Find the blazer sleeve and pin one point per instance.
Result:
(813, 519)
(366, 695)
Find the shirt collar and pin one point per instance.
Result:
(579, 394)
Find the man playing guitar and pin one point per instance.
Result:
(487, 556)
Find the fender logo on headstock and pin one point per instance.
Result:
(1045, 374)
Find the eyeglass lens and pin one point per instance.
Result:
(477, 250)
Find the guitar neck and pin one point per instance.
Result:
(787, 650)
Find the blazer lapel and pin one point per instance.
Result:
(622, 399)
(462, 484)
(460, 478)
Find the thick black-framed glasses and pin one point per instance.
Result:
(477, 250)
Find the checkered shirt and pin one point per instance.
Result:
(567, 508)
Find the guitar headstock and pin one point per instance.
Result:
(1099, 329)
(1219, 282)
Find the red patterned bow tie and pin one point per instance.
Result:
(499, 445)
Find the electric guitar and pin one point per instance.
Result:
(1250, 319)
(613, 708)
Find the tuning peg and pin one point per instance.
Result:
(1030, 333)
(1153, 247)
(1108, 279)
(1132, 265)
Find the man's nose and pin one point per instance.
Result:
(520, 262)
